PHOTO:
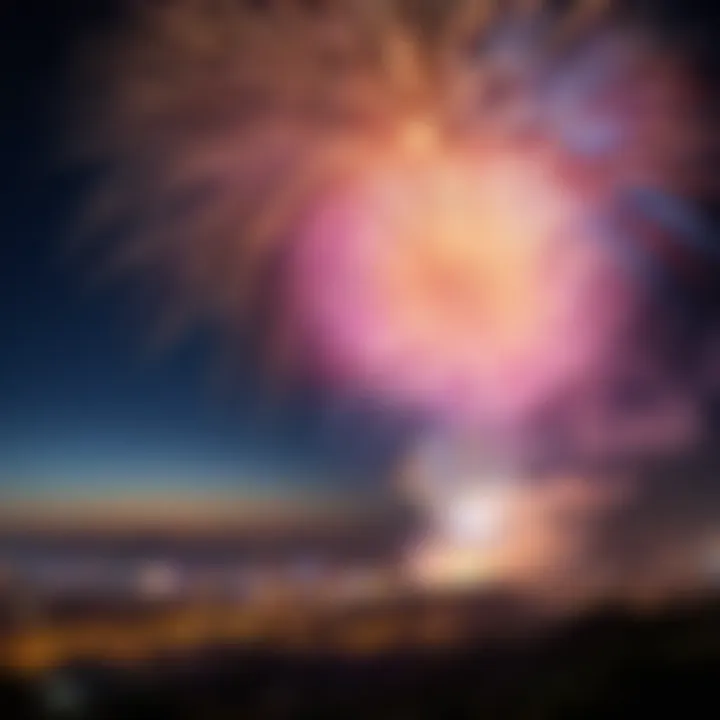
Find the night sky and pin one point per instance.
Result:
(87, 407)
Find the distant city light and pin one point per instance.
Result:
(159, 580)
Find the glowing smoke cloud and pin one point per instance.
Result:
(463, 214)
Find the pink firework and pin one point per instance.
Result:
(463, 205)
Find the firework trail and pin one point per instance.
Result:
(475, 212)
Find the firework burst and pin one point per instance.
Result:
(457, 210)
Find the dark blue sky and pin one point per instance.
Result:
(82, 401)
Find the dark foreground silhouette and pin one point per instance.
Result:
(610, 665)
